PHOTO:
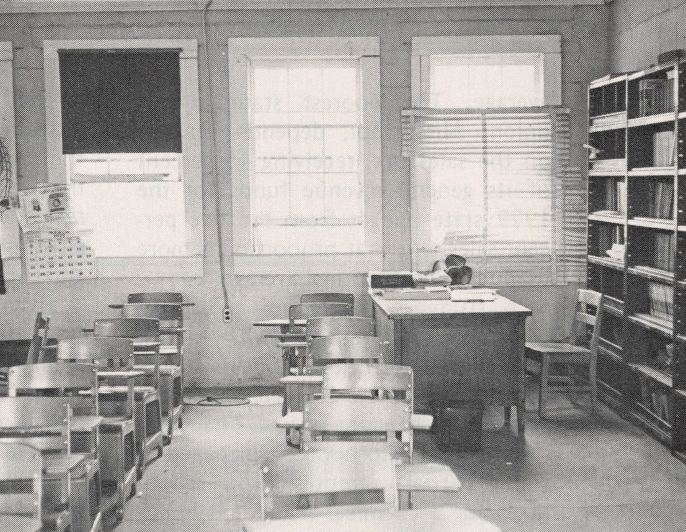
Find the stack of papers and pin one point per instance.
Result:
(436, 292)
(473, 294)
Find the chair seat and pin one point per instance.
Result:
(137, 390)
(554, 347)
(165, 369)
(426, 477)
(18, 523)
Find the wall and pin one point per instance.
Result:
(220, 353)
(643, 29)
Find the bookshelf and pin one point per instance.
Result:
(637, 244)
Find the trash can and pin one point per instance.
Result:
(459, 425)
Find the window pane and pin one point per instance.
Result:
(307, 196)
(271, 196)
(270, 97)
(474, 81)
(343, 196)
(271, 149)
(341, 149)
(305, 95)
(340, 96)
(306, 149)
(133, 219)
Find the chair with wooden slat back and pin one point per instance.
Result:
(170, 317)
(145, 334)
(328, 483)
(21, 488)
(77, 385)
(39, 339)
(540, 355)
(328, 297)
(113, 360)
(322, 351)
(44, 423)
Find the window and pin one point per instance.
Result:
(10, 249)
(305, 154)
(123, 131)
(488, 178)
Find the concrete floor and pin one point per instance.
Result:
(571, 473)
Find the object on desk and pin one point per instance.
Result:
(473, 294)
(436, 293)
(391, 280)
(435, 278)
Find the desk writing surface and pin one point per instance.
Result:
(424, 520)
(428, 307)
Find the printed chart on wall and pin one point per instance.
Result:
(54, 249)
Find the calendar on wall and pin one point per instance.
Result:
(58, 257)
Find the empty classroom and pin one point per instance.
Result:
(350, 266)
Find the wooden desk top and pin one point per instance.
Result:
(430, 307)
(279, 322)
(428, 519)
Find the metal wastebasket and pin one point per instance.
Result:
(459, 425)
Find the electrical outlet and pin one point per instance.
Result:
(227, 315)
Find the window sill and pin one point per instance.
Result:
(149, 266)
(332, 263)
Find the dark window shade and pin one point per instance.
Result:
(120, 102)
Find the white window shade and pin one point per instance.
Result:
(496, 187)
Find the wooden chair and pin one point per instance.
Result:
(328, 483)
(541, 356)
(44, 423)
(145, 334)
(170, 317)
(113, 360)
(76, 385)
(39, 339)
(328, 297)
(22, 503)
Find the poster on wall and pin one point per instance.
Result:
(46, 208)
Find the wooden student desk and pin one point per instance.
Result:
(424, 520)
(458, 351)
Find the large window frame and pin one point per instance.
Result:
(191, 263)
(241, 52)
(548, 47)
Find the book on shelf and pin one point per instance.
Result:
(661, 202)
(663, 148)
(661, 300)
(608, 165)
(663, 251)
(621, 196)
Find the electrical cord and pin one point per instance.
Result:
(221, 400)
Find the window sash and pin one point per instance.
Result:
(445, 134)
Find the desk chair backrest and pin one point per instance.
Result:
(77, 384)
(106, 354)
(47, 418)
(156, 297)
(588, 317)
(380, 381)
(138, 330)
(143, 329)
(334, 349)
(304, 311)
(328, 483)
(358, 425)
(39, 339)
(340, 326)
(328, 297)
(169, 315)
(21, 479)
